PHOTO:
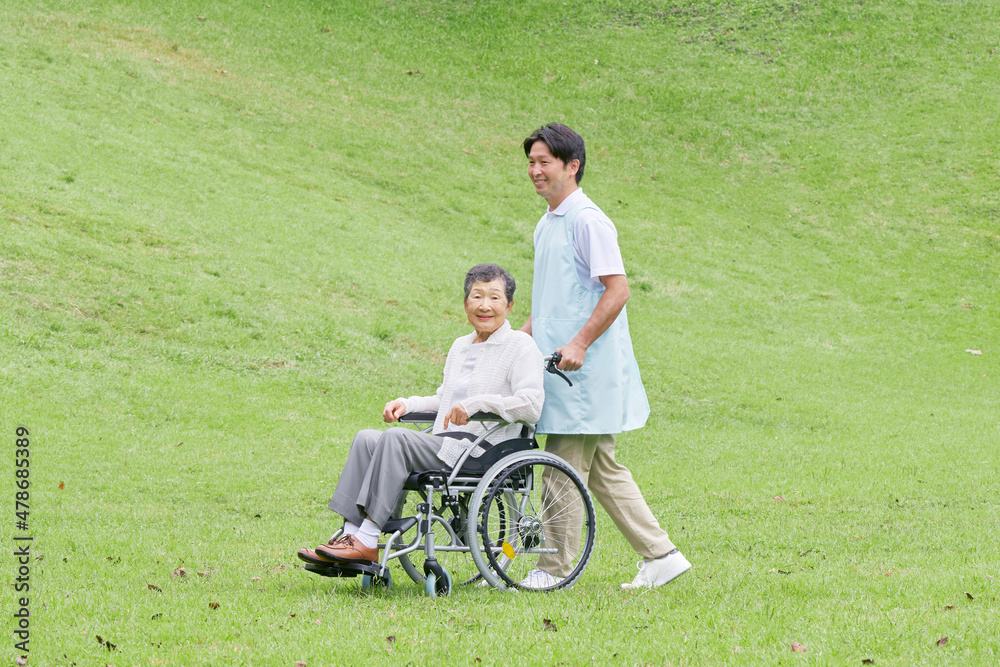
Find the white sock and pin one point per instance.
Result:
(349, 528)
(368, 533)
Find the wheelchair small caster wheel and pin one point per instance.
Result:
(444, 584)
(436, 586)
(370, 582)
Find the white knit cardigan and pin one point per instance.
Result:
(506, 381)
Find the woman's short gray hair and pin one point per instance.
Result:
(487, 273)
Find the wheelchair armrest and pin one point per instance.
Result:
(485, 417)
(429, 417)
(418, 418)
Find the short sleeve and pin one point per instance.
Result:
(595, 248)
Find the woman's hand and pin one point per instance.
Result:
(393, 411)
(457, 416)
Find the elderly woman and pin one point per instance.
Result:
(494, 369)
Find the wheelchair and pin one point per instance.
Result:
(484, 522)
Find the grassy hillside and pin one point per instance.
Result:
(232, 231)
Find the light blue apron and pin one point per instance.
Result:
(607, 394)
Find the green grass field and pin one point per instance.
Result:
(232, 231)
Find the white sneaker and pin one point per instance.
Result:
(539, 579)
(660, 571)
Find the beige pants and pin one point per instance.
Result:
(593, 457)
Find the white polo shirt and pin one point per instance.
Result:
(595, 242)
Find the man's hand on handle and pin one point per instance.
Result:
(573, 356)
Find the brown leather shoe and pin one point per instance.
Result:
(348, 550)
(310, 556)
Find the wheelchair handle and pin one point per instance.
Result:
(550, 366)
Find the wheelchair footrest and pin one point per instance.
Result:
(345, 569)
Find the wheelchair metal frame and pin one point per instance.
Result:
(508, 473)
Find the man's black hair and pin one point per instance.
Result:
(563, 143)
(487, 273)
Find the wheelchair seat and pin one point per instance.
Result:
(473, 466)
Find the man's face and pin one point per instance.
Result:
(553, 178)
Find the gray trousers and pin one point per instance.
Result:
(593, 457)
(377, 468)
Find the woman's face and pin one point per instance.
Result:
(487, 307)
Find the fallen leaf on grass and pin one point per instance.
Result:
(154, 587)
(319, 621)
(21, 660)
(300, 663)
(62, 485)
(969, 595)
(798, 648)
(106, 644)
(213, 605)
(779, 499)
(949, 607)
(974, 351)
(942, 641)
(180, 572)
(867, 661)
(390, 639)
(547, 624)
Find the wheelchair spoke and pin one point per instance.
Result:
(548, 522)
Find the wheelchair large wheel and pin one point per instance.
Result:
(531, 510)
(459, 563)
